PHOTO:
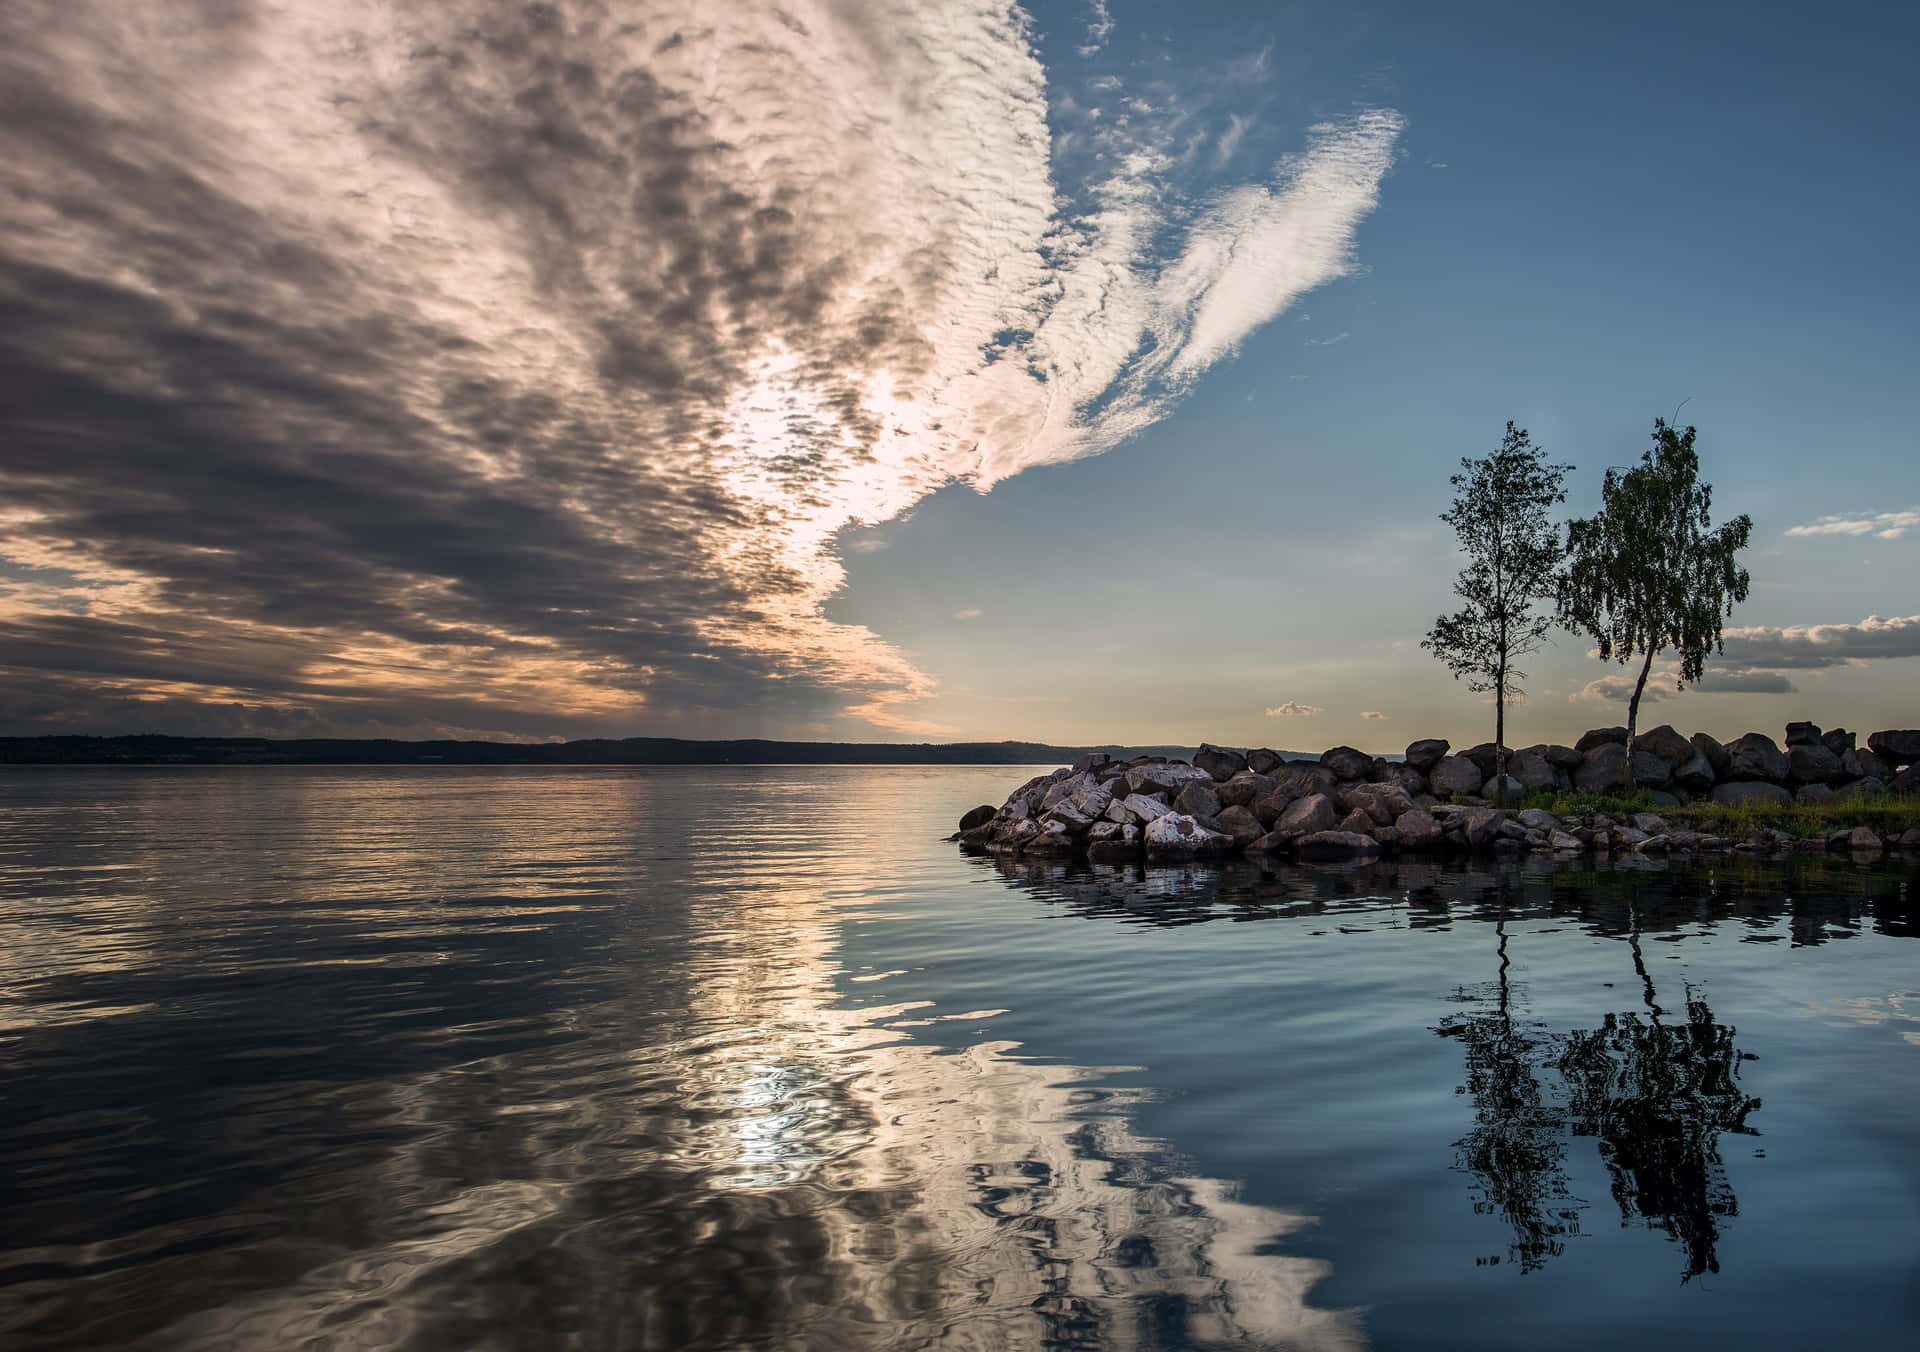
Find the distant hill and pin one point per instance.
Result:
(158, 750)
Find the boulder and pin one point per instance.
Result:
(1604, 768)
(1864, 840)
(1515, 790)
(1418, 829)
(1274, 842)
(1301, 779)
(1482, 757)
(1907, 781)
(1812, 763)
(1177, 835)
(1665, 743)
(1240, 824)
(1480, 825)
(1455, 776)
(1715, 753)
(1837, 740)
(1243, 790)
(1561, 757)
(1067, 817)
(1533, 771)
(1695, 773)
(1092, 802)
(1263, 761)
(1335, 845)
(1359, 821)
(1268, 809)
(1113, 851)
(1424, 755)
(1219, 762)
(1104, 831)
(1305, 816)
(1739, 791)
(1064, 790)
(1896, 748)
(1405, 778)
(1754, 756)
(979, 816)
(1143, 809)
(1537, 819)
(1166, 777)
(1812, 793)
(1661, 798)
(1860, 788)
(1907, 840)
(1382, 802)
(1346, 763)
(1600, 737)
(1196, 799)
(1050, 840)
(1093, 760)
(1566, 842)
(1864, 765)
(1802, 734)
(1650, 822)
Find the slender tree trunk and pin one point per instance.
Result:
(1500, 737)
(1633, 715)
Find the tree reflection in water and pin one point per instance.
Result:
(1656, 1094)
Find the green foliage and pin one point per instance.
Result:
(1513, 554)
(1586, 804)
(1649, 574)
(1889, 813)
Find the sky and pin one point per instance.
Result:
(1077, 372)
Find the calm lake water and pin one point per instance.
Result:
(751, 1057)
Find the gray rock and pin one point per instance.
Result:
(1864, 765)
(1068, 816)
(1480, 825)
(1600, 737)
(979, 816)
(1240, 824)
(1654, 845)
(1482, 757)
(1864, 840)
(1274, 842)
(1219, 762)
(1196, 800)
(1899, 747)
(1335, 845)
(1754, 756)
(1601, 771)
(1538, 819)
(1650, 822)
(1566, 842)
(1243, 789)
(1695, 773)
(1359, 820)
(1455, 776)
(1812, 763)
(1113, 851)
(1307, 815)
(1561, 757)
(1176, 835)
(1299, 780)
(1404, 777)
(1837, 740)
(1515, 790)
(1802, 734)
(1144, 809)
(1268, 809)
(1163, 777)
(1534, 771)
(1665, 743)
(1383, 802)
(1263, 761)
(1736, 792)
(1103, 831)
(1346, 763)
(1907, 781)
(1418, 829)
(1064, 790)
(1093, 760)
(1661, 798)
(1715, 753)
(1861, 788)
(1907, 840)
(1424, 755)
(1812, 793)
(1050, 840)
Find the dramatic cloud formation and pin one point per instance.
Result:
(489, 368)
(1294, 709)
(1822, 645)
(1886, 525)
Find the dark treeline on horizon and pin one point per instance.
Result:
(156, 749)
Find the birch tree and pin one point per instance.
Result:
(1513, 553)
(1650, 574)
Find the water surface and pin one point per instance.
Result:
(721, 1057)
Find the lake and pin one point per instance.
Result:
(752, 1057)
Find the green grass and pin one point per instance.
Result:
(1887, 813)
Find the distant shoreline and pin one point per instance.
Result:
(155, 749)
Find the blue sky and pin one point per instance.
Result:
(1070, 372)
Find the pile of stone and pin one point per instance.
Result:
(1348, 803)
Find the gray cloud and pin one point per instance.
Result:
(513, 369)
(1805, 647)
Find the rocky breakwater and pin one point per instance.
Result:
(1348, 803)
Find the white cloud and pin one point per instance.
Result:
(1230, 138)
(1099, 29)
(1886, 525)
(1339, 337)
(1294, 709)
(1803, 647)
(1368, 713)
(969, 613)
